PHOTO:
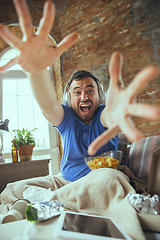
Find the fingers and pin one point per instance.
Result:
(24, 17)
(66, 43)
(46, 22)
(128, 127)
(102, 139)
(144, 110)
(8, 37)
(141, 79)
(10, 64)
(115, 69)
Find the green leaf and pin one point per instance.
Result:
(31, 213)
(23, 137)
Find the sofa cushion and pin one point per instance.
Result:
(140, 156)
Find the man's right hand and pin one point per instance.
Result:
(121, 104)
(36, 54)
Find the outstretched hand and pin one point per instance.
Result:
(121, 104)
(35, 53)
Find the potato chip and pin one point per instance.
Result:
(103, 162)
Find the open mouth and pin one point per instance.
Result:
(85, 107)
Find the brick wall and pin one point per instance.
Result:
(129, 26)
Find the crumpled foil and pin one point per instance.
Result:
(145, 204)
(45, 210)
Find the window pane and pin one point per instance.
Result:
(9, 87)
(10, 111)
(10, 54)
(24, 87)
(3, 62)
(40, 121)
(42, 139)
(20, 107)
(6, 57)
(25, 112)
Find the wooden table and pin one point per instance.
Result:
(11, 172)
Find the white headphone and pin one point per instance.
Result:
(67, 97)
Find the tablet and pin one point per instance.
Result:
(74, 225)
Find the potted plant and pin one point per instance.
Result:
(24, 142)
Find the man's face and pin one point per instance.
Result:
(85, 98)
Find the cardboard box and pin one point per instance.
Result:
(151, 222)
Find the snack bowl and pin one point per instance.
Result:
(106, 160)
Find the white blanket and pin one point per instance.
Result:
(102, 192)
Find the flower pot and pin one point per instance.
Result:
(25, 152)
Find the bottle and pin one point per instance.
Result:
(14, 152)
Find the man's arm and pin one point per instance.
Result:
(45, 95)
(36, 54)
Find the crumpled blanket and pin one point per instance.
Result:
(102, 192)
(15, 190)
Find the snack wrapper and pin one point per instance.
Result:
(145, 204)
(41, 211)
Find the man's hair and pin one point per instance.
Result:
(80, 74)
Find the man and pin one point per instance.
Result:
(36, 54)
(81, 123)
(99, 189)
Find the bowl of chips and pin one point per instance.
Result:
(106, 160)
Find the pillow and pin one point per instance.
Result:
(140, 156)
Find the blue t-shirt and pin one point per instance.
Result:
(76, 138)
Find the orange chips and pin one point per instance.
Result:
(103, 162)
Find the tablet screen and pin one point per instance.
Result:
(91, 225)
